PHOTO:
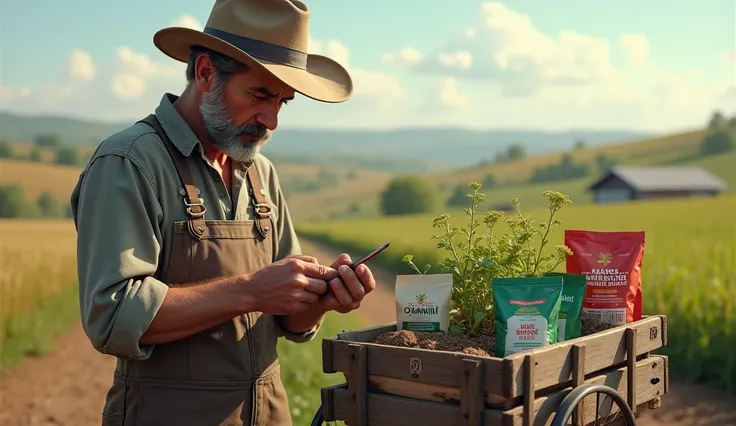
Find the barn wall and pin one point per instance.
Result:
(649, 195)
(612, 190)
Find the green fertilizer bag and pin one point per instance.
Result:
(571, 309)
(526, 312)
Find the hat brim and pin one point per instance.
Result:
(323, 79)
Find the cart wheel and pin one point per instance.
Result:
(318, 419)
(577, 396)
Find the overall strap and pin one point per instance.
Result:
(194, 205)
(258, 197)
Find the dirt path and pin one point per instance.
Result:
(67, 387)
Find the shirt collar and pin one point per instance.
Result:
(175, 127)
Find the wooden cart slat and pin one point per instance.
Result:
(386, 410)
(438, 375)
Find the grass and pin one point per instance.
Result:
(689, 267)
(37, 286)
(301, 368)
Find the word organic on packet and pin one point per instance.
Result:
(611, 262)
(526, 312)
(423, 302)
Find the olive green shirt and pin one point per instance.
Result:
(124, 206)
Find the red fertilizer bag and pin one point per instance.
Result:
(611, 262)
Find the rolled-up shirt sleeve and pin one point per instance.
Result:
(117, 215)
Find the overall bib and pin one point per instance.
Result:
(228, 374)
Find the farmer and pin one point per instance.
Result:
(189, 265)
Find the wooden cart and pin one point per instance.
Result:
(393, 386)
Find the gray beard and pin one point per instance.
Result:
(222, 130)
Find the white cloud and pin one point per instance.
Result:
(636, 48)
(134, 70)
(187, 21)
(128, 86)
(406, 57)
(11, 93)
(80, 65)
(501, 71)
(503, 46)
(367, 83)
(563, 79)
(132, 82)
(451, 96)
(730, 57)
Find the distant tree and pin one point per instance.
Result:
(68, 156)
(326, 177)
(717, 120)
(48, 141)
(732, 122)
(353, 208)
(408, 195)
(489, 181)
(6, 150)
(459, 197)
(566, 169)
(36, 155)
(717, 142)
(515, 151)
(579, 145)
(49, 206)
(351, 175)
(13, 203)
(604, 163)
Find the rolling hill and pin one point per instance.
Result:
(406, 149)
(317, 193)
(297, 180)
(681, 148)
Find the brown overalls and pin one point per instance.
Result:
(229, 374)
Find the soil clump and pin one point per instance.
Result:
(480, 345)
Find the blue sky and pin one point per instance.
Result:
(685, 73)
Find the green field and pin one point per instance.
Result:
(689, 267)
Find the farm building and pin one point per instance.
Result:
(624, 183)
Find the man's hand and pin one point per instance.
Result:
(288, 286)
(349, 288)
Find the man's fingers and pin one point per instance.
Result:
(315, 270)
(305, 258)
(343, 259)
(307, 297)
(366, 277)
(316, 286)
(341, 293)
(352, 283)
(303, 306)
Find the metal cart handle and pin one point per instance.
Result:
(318, 419)
(579, 393)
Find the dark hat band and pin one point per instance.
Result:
(261, 49)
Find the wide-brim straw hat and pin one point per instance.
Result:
(269, 34)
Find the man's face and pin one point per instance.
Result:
(240, 113)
